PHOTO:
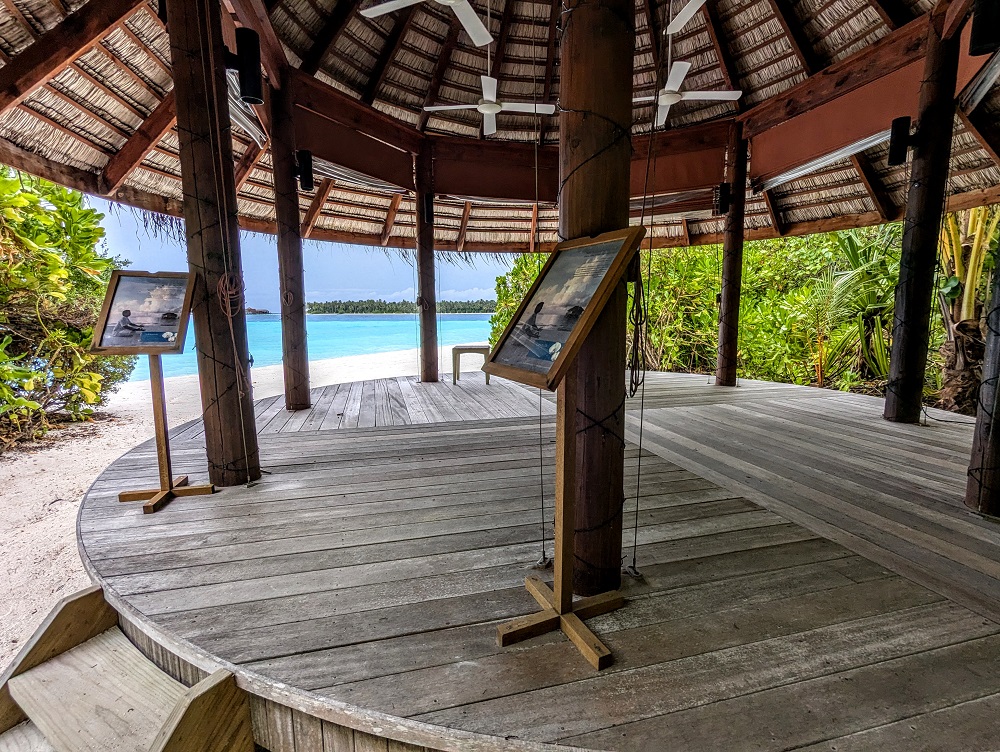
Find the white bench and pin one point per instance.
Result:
(456, 356)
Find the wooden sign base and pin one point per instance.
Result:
(559, 611)
(170, 487)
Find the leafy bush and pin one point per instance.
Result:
(52, 282)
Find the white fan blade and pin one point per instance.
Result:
(661, 114)
(643, 100)
(475, 28)
(678, 72)
(489, 124)
(447, 107)
(382, 8)
(489, 88)
(686, 14)
(722, 96)
(537, 109)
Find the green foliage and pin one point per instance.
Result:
(52, 282)
(814, 310)
(405, 306)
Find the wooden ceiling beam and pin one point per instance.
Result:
(254, 14)
(774, 213)
(316, 207)
(440, 68)
(327, 37)
(955, 14)
(390, 218)
(69, 39)
(793, 31)
(247, 164)
(130, 156)
(686, 233)
(889, 54)
(388, 53)
(984, 130)
(463, 228)
(893, 13)
(875, 188)
(550, 61)
(722, 49)
(655, 32)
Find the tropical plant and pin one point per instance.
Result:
(52, 282)
(967, 248)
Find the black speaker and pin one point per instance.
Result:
(722, 198)
(985, 37)
(899, 141)
(304, 159)
(248, 65)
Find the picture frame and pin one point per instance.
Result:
(576, 283)
(159, 321)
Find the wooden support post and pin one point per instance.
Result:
(732, 262)
(291, 278)
(426, 294)
(170, 487)
(982, 491)
(213, 241)
(921, 227)
(595, 91)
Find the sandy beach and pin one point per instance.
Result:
(43, 486)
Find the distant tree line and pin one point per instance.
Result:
(405, 306)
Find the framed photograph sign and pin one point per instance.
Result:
(561, 307)
(144, 313)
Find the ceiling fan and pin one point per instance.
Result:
(489, 106)
(475, 28)
(670, 94)
(686, 14)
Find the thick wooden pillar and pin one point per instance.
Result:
(982, 491)
(213, 241)
(598, 44)
(426, 293)
(921, 227)
(294, 352)
(732, 261)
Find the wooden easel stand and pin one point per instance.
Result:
(558, 609)
(170, 487)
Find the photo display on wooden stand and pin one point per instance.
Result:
(555, 317)
(537, 348)
(146, 313)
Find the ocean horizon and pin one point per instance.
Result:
(332, 335)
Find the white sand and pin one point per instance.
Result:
(42, 488)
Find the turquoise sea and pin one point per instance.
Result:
(333, 336)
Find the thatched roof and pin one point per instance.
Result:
(103, 119)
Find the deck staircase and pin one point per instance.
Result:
(80, 685)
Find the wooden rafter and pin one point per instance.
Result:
(722, 50)
(327, 37)
(955, 14)
(875, 188)
(316, 206)
(255, 14)
(463, 227)
(500, 54)
(390, 218)
(97, 83)
(792, 28)
(686, 233)
(893, 13)
(130, 156)
(655, 31)
(134, 38)
(392, 44)
(16, 13)
(550, 64)
(984, 130)
(247, 163)
(73, 36)
(444, 58)
(774, 213)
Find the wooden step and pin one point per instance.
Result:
(102, 695)
(24, 737)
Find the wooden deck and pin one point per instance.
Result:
(370, 567)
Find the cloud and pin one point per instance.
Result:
(470, 293)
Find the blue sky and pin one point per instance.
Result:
(333, 271)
